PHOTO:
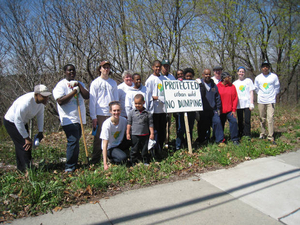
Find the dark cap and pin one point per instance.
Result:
(266, 63)
(165, 62)
(217, 68)
(224, 75)
(104, 62)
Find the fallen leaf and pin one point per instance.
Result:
(89, 190)
(57, 209)
(94, 202)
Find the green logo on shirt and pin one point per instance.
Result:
(266, 86)
(242, 88)
(117, 134)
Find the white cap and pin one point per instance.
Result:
(42, 90)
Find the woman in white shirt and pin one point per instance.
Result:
(112, 135)
(244, 87)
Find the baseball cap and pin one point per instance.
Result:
(266, 63)
(241, 67)
(165, 62)
(217, 68)
(42, 90)
(105, 62)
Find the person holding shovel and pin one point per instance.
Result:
(18, 115)
(66, 93)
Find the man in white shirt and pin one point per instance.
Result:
(68, 93)
(18, 115)
(165, 71)
(267, 87)
(217, 74)
(103, 90)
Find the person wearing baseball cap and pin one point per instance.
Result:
(22, 110)
(103, 90)
(267, 86)
(217, 74)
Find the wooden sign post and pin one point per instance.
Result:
(183, 96)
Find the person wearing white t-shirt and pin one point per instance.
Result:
(155, 87)
(66, 93)
(267, 86)
(217, 74)
(137, 88)
(22, 110)
(123, 89)
(112, 135)
(165, 71)
(244, 87)
(103, 90)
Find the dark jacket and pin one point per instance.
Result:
(211, 99)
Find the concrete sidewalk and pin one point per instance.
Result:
(261, 191)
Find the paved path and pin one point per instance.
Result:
(261, 191)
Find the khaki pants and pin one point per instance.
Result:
(266, 112)
(97, 148)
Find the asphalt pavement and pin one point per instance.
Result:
(260, 191)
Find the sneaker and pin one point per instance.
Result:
(68, 170)
(261, 136)
(236, 143)
(146, 164)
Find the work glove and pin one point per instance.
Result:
(251, 107)
(198, 81)
(72, 84)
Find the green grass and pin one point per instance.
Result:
(47, 187)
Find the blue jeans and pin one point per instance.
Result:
(210, 118)
(73, 133)
(180, 139)
(233, 126)
(118, 154)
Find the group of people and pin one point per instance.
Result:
(129, 114)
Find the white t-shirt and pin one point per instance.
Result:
(215, 80)
(122, 90)
(68, 113)
(24, 109)
(266, 87)
(243, 89)
(155, 88)
(132, 92)
(102, 92)
(114, 134)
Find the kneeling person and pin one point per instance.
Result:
(140, 123)
(112, 134)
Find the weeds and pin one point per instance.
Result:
(47, 187)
